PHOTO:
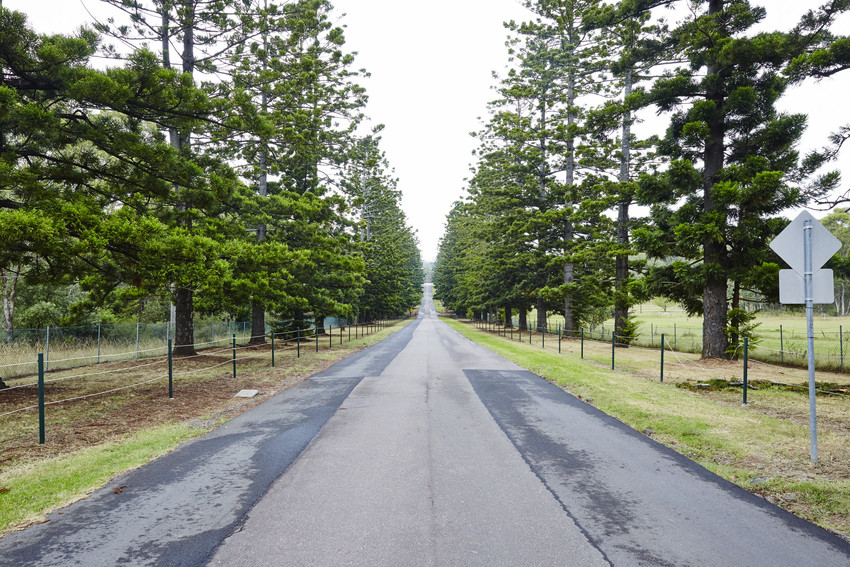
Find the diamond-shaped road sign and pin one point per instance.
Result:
(789, 243)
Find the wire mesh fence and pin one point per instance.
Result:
(781, 345)
(71, 347)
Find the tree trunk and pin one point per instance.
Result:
(258, 323)
(541, 315)
(621, 273)
(184, 323)
(509, 315)
(9, 282)
(523, 318)
(715, 314)
(569, 168)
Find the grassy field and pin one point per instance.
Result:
(763, 447)
(118, 416)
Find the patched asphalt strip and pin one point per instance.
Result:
(638, 501)
(177, 509)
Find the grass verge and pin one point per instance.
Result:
(27, 492)
(763, 447)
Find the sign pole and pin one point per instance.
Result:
(810, 334)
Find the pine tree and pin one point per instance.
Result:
(734, 164)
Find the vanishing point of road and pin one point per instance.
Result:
(425, 449)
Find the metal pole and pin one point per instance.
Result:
(746, 352)
(559, 339)
(543, 338)
(662, 357)
(841, 343)
(272, 348)
(613, 344)
(47, 351)
(41, 398)
(582, 342)
(810, 333)
(781, 345)
(330, 336)
(137, 339)
(298, 342)
(234, 355)
(170, 373)
(98, 343)
(317, 338)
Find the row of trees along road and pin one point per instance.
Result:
(214, 164)
(547, 220)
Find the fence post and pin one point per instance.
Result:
(559, 339)
(841, 342)
(98, 343)
(582, 342)
(781, 345)
(330, 336)
(613, 344)
(746, 351)
(41, 398)
(272, 348)
(137, 339)
(298, 341)
(234, 355)
(317, 338)
(662, 357)
(674, 336)
(47, 351)
(543, 338)
(170, 373)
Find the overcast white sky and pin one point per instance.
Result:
(431, 66)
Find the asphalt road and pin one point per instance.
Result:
(424, 450)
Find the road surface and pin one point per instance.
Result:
(424, 450)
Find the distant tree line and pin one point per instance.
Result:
(547, 223)
(214, 164)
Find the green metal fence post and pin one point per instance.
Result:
(298, 342)
(272, 348)
(543, 339)
(559, 339)
(746, 352)
(41, 398)
(317, 338)
(582, 342)
(841, 342)
(330, 336)
(234, 355)
(662, 357)
(613, 344)
(781, 345)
